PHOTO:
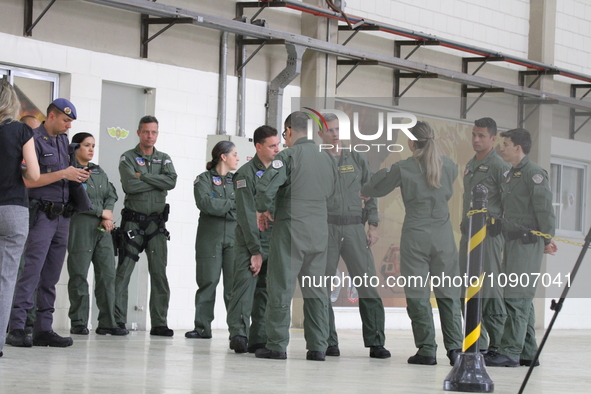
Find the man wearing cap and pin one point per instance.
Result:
(48, 235)
(147, 175)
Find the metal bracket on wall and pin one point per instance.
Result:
(574, 113)
(359, 26)
(355, 64)
(29, 24)
(261, 5)
(398, 75)
(464, 109)
(146, 21)
(522, 101)
(255, 41)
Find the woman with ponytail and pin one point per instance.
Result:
(427, 245)
(214, 247)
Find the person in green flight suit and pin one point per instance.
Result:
(300, 181)
(147, 175)
(347, 237)
(527, 202)
(489, 169)
(214, 246)
(427, 245)
(249, 288)
(90, 240)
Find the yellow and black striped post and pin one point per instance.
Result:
(469, 372)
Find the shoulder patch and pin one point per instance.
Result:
(241, 183)
(538, 178)
(467, 171)
(167, 161)
(505, 173)
(216, 180)
(260, 173)
(122, 158)
(277, 164)
(196, 180)
(141, 161)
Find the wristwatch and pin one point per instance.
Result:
(375, 224)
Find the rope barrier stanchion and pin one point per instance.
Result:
(469, 372)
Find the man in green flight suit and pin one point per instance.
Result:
(300, 180)
(527, 202)
(489, 169)
(346, 237)
(249, 290)
(146, 176)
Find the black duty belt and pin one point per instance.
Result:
(527, 237)
(344, 220)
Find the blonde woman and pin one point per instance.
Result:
(427, 245)
(16, 144)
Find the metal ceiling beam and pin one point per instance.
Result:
(241, 28)
(416, 35)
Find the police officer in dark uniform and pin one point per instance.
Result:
(527, 202)
(347, 238)
(246, 312)
(489, 169)
(300, 180)
(214, 246)
(147, 175)
(48, 236)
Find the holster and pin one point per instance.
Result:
(34, 207)
(118, 237)
(494, 228)
(364, 216)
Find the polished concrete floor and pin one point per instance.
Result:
(143, 364)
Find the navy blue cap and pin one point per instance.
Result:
(65, 106)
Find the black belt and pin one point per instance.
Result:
(344, 220)
(527, 237)
(53, 209)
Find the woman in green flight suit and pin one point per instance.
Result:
(90, 239)
(214, 247)
(427, 245)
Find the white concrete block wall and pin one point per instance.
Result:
(500, 25)
(573, 35)
(186, 107)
